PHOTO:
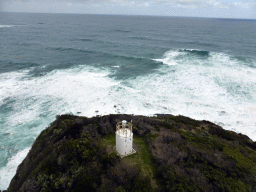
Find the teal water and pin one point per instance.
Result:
(89, 65)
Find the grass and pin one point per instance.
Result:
(142, 157)
(110, 139)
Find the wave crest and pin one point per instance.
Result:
(195, 52)
(173, 57)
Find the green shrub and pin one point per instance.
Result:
(228, 135)
(151, 137)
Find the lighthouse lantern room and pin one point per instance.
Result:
(124, 139)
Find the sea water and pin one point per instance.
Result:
(87, 65)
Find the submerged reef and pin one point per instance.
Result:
(174, 153)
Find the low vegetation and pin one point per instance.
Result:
(174, 153)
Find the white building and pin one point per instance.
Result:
(124, 139)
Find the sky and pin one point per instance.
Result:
(245, 9)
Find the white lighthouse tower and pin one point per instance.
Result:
(124, 139)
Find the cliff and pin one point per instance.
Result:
(174, 153)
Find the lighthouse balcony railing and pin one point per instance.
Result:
(121, 126)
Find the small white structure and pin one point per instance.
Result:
(124, 139)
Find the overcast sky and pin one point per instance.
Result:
(191, 8)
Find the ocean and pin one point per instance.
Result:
(88, 65)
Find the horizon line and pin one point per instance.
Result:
(146, 15)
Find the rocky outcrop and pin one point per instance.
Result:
(189, 155)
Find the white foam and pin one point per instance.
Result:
(63, 91)
(5, 26)
(195, 88)
(170, 57)
(7, 173)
